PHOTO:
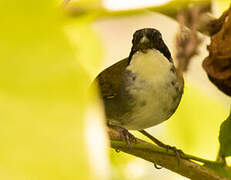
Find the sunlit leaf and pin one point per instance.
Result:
(43, 93)
(225, 137)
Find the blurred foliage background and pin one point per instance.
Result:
(43, 91)
(50, 128)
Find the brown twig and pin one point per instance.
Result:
(187, 40)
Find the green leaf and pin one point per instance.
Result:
(225, 137)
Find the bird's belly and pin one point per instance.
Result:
(153, 105)
(150, 103)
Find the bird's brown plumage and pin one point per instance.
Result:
(109, 79)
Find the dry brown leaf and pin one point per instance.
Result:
(218, 63)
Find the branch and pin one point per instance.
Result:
(168, 160)
(208, 24)
(170, 9)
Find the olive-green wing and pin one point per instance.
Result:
(109, 79)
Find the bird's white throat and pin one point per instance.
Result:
(150, 64)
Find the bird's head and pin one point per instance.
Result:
(149, 38)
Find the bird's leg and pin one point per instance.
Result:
(179, 153)
(124, 134)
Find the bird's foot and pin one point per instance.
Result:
(125, 135)
(179, 153)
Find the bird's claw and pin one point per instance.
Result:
(127, 137)
(179, 153)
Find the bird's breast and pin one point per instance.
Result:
(154, 91)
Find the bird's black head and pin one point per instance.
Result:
(149, 38)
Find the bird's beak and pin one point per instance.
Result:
(144, 44)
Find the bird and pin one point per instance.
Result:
(142, 90)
